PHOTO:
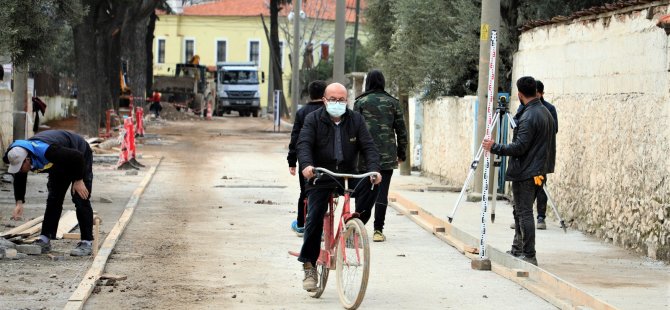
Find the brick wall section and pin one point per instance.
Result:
(613, 165)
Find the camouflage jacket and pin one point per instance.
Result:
(384, 119)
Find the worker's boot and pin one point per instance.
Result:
(83, 249)
(310, 280)
(541, 225)
(44, 246)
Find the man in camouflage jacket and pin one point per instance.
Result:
(384, 119)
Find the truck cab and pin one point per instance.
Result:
(238, 88)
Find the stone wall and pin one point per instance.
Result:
(448, 138)
(608, 78)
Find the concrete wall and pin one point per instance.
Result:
(6, 120)
(447, 138)
(608, 78)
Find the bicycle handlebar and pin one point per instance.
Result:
(344, 175)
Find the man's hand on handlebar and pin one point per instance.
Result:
(376, 179)
(308, 172)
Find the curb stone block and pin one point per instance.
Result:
(29, 249)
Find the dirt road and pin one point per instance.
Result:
(212, 232)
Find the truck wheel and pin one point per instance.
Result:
(255, 113)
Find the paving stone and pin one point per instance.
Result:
(7, 244)
(11, 253)
(30, 249)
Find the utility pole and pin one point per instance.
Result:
(295, 69)
(490, 21)
(338, 65)
(20, 76)
(358, 9)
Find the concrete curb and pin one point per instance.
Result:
(540, 282)
(85, 288)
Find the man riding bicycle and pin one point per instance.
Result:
(332, 138)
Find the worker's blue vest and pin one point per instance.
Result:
(37, 149)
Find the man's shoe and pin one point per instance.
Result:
(45, 246)
(541, 225)
(515, 254)
(532, 260)
(512, 226)
(82, 249)
(378, 236)
(298, 230)
(310, 280)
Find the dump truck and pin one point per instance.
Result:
(238, 88)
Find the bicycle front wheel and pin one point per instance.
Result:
(353, 264)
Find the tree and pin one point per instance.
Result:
(277, 81)
(443, 61)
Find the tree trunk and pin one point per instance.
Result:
(406, 166)
(86, 63)
(133, 35)
(150, 55)
(277, 73)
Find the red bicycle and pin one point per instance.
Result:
(345, 248)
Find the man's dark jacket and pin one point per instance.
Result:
(297, 125)
(316, 144)
(534, 138)
(70, 154)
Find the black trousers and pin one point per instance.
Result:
(58, 185)
(317, 205)
(542, 202)
(525, 193)
(301, 200)
(381, 202)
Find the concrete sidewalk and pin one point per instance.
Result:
(609, 273)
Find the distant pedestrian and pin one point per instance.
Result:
(384, 119)
(542, 199)
(68, 159)
(316, 90)
(530, 152)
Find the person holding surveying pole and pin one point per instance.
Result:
(530, 156)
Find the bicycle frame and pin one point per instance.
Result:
(327, 254)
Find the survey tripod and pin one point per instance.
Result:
(501, 111)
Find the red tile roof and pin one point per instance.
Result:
(324, 9)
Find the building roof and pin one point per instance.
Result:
(324, 9)
(593, 12)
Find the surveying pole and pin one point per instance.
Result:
(490, 21)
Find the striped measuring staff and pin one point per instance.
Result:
(487, 155)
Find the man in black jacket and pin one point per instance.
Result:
(332, 138)
(68, 159)
(316, 89)
(530, 155)
(541, 196)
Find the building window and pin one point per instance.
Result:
(220, 51)
(254, 51)
(161, 51)
(189, 50)
(281, 54)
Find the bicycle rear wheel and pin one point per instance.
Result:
(322, 276)
(353, 264)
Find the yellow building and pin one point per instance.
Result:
(232, 31)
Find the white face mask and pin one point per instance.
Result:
(336, 108)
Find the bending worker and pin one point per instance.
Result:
(68, 159)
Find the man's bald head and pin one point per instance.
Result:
(335, 91)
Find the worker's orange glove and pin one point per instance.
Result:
(538, 180)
